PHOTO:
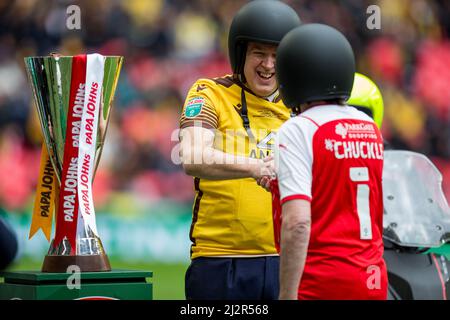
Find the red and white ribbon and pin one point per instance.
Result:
(88, 137)
(67, 217)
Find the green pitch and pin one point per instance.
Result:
(168, 279)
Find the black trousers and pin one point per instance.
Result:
(233, 278)
(8, 244)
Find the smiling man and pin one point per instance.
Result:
(227, 129)
(259, 68)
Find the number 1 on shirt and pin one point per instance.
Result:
(361, 174)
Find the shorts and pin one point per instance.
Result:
(233, 278)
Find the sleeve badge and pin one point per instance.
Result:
(194, 107)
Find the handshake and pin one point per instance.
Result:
(265, 172)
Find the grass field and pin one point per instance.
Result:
(168, 279)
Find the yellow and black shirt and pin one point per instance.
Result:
(232, 217)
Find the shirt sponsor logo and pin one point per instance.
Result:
(269, 114)
(356, 130)
(355, 149)
(194, 107)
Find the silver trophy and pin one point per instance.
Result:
(51, 78)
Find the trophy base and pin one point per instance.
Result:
(86, 263)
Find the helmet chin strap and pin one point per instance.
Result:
(244, 115)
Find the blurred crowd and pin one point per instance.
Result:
(168, 44)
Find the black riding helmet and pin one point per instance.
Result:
(264, 21)
(314, 62)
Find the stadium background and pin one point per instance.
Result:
(143, 200)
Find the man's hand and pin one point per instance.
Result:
(267, 173)
(264, 182)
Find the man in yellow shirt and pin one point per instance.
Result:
(227, 128)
